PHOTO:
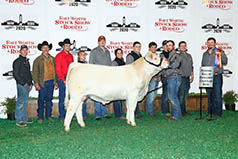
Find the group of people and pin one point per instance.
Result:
(49, 73)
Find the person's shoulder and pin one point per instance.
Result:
(16, 60)
(95, 49)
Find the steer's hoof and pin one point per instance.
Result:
(67, 129)
(82, 126)
(133, 124)
(128, 122)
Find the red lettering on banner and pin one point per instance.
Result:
(25, 2)
(13, 47)
(175, 25)
(73, 23)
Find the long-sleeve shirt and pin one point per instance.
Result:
(62, 62)
(186, 64)
(174, 66)
(209, 60)
(130, 59)
(100, 57)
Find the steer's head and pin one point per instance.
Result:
(155, 60)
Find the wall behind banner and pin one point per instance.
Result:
(122, 22)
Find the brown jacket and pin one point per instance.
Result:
(38, 70)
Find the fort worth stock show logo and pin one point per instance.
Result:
(170, 4)
(20, 25)
(124, 3)
(218, 4)
(218, 28)
(24, 2)
(73, 23)
(73, 3)
(171, 25)
(123, 27)
(13, 47)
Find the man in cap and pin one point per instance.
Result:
(23, 77)
(100, 56)
(62, 61)
(45, 78)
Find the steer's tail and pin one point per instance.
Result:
(67, 93)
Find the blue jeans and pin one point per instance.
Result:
(45, 99)
(61, 99)
(117, 106)
(173, 87)
(84, 110)
(151, 96)
(22, 99)
(164, 99)
(215, 96)
(183, 93)
(100, 110)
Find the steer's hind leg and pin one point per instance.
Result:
(132, 106)
(127, 113)
(72, 107)
(79, 114)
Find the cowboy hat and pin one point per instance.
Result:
(66, 41)
(43, 44)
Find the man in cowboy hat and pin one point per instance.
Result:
(62, 62)
(45, 79)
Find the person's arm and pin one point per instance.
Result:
(203, 60)
(92, 57)
(129, 59)
(16, 72)
(192, 73)
(35, 73)
(175, 62)
(58, 68)
(114, 63)
(224, 59)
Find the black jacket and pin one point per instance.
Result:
(22, 71)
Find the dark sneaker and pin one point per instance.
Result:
(21, 124)
(172, 119)
(40, 121)
(139, 116)
(108, 117)
(50, 119)
(29, 121)
(61, 120)
(98, 119)
(87, 118)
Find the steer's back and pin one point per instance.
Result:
(101, 80)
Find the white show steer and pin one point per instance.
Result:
(109, 83)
